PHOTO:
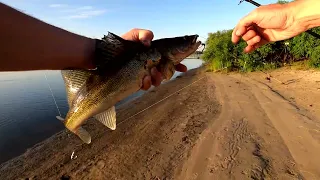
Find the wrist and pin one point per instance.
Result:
(87, 58)
(305, 13)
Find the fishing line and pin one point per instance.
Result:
(143, 110)
(159, 101)
(55, 102)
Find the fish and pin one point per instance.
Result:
(94, 93)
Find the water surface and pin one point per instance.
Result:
(27, 109)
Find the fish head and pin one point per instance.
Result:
(173, 51)
(178, 48)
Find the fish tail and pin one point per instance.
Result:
(81, 133)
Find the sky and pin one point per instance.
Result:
(165, 18)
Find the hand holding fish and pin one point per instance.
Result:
(146, 36)
(276, 22)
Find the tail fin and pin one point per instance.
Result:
(84, 135)
(81, 133)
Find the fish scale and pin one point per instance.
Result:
(94, 93)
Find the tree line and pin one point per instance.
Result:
(221, 53)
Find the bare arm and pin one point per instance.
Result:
(276, 22)
(27, 43)
(306, 13)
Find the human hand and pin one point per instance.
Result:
(266, 24)
(146, 36)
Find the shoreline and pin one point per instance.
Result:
(51, 159)
(200, 125)
(127, 102)
(21, 131)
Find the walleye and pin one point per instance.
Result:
(94, 93)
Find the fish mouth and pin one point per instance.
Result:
(195, 39)
(195, 43)
(193, 46)
(188, 49)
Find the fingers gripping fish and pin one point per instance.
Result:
(94, 93)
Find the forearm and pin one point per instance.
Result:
(306, 13)
(30, 44)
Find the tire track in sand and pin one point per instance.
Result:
(288, 120)
(240, 133)
(207, 157)
(241, 143)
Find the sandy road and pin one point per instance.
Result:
(258, 135)
(219, 127)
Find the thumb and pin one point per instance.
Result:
(242, 26)
(143, 35)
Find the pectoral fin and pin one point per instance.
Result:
(108, 118)
(167, 69)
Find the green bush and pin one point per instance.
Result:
(315, 57)
(221, 53)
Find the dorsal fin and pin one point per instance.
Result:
(74, 80)
(113, 52)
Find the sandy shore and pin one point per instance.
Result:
(207, 126)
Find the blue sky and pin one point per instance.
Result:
(166, 18)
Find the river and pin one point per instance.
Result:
(27, 114)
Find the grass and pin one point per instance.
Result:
(302, 65)
(217, 66)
